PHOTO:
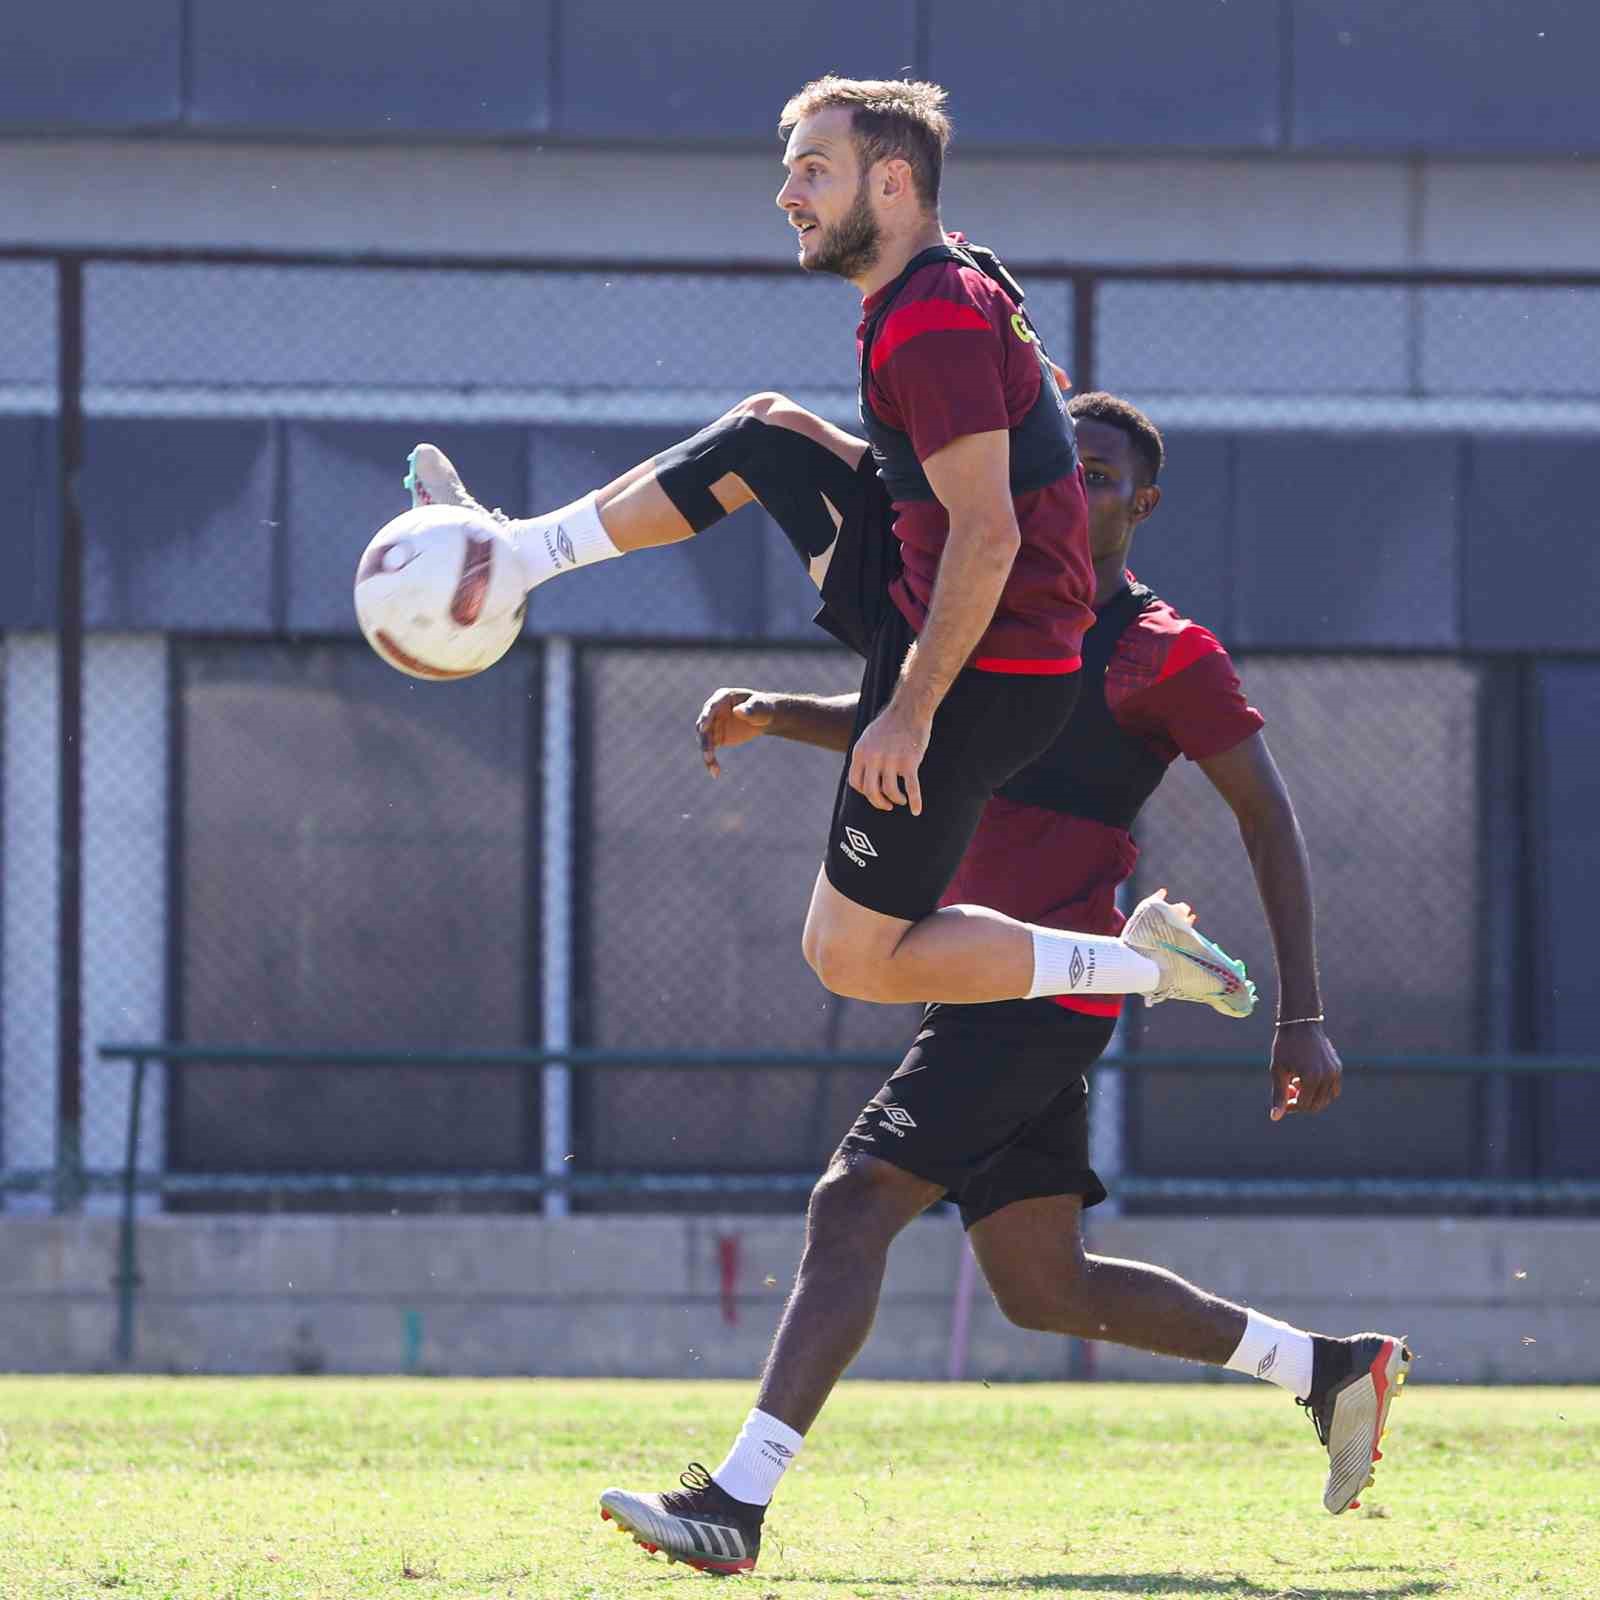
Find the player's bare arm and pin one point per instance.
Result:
(1306, 1070)
(732, 717)
(971, 477)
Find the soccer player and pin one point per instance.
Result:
(970, 614)
(989, 1105)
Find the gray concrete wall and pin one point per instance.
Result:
(1518, 215)
(1481, 1301)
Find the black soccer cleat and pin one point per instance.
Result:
(701, 1524)
(1353, 1384)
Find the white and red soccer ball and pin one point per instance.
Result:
(440, 592)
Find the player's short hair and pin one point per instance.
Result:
(1115, 412)
(888, 117)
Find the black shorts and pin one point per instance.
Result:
(991, 1104)
(988, 727)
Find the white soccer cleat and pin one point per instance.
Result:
(1192, 967)
(1349, 1407)
(433, 481)
(701, 1524)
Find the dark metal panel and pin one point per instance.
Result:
(1568, 838)
(1532, 543)
(711, 69)
(91, 64)
(1346, 540)
(1494, 77)
(372, 66)
(344, 483)
(27, 466)
(1110, 74)
(178, 514)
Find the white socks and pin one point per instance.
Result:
(1087, 963)
(1274, 1352)
(560, 540)
(754, 1465)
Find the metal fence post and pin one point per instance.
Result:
(69, 645)
(559, 723)
(127, 1279)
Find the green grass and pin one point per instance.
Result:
(211, 1489)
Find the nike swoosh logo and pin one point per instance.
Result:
(1229, 980)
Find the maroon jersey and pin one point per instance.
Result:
(953, 356)
(1054, 845)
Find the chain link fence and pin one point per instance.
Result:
(284, 844)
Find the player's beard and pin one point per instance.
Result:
(852, 245)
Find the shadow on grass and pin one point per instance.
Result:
(1114, 1584)
(1183, 1583)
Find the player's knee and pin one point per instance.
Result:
(843, 970)
(856, 1203)
(1058, 1303)
(762, 406)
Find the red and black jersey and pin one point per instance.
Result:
(945, 352)
(1054, 845)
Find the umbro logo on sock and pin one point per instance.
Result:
(781, 1449)
(558, 545)
(1268, 1361)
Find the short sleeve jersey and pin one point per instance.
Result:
(954, 357)
(1169, 684)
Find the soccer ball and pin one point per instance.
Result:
(440, 593)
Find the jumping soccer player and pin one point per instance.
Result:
(989, 1107)
(970, 614)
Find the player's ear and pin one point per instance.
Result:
(1145, 501)
(894, 180)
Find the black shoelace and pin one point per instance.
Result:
(695, 1478)
(1311, 1410)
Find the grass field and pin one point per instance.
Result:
(254, 1489)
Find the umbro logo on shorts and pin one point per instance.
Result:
(899, 1120)
(857, 846)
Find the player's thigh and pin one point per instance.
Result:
(889, 867)
(973, 1081)
(1023, 1211)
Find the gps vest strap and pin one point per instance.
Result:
(1096, 769)
(1044, 444)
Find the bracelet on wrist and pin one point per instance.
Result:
(1291, 1022)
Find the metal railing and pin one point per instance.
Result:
(1538, 1193)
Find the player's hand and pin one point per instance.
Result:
(731, 717)
(1307, 1073)
(884, 763)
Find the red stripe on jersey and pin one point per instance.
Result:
(1188, 645)
(1030, 666)
(1103, 1006)
(924, 316)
